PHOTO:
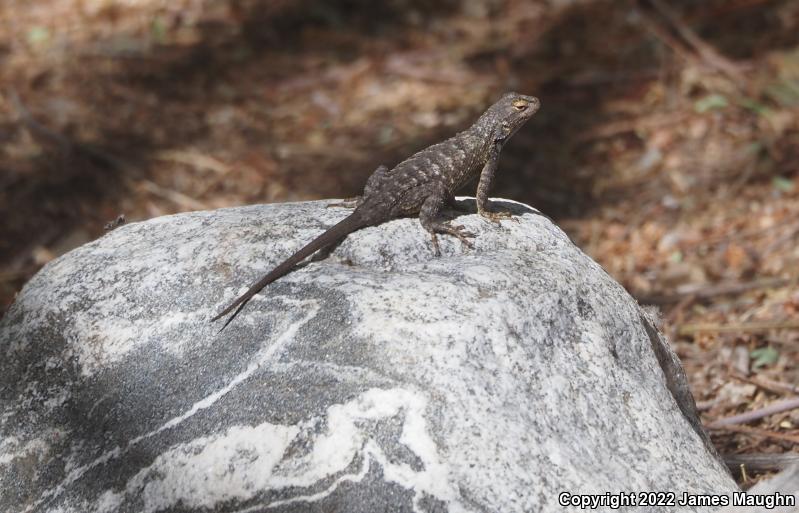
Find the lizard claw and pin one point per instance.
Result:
(436, 249)
(346, 203)
(460, 232)
(496, 217)
(456, 231)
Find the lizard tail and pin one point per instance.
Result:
(333, 234)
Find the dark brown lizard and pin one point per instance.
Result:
(422, 184)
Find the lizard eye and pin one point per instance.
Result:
(520, 105)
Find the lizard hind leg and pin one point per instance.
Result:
(429, 217)
(456, 231)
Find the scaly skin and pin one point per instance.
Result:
(422, 184)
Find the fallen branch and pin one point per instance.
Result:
(749, 416)
(193, 159)
(704, 291)
(614, 128)
(183, 201)
(705, 51)
(771, 385)
(759, 432)
(662, 33)
(744, 327)
(37, 130)
(667, 26)
(761, 462)
(66, 146)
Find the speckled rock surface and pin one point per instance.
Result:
(376, 379)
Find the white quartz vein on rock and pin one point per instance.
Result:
(246, 461)
(263, 356)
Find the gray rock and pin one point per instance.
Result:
(376, 379)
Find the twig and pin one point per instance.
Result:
(67, 146)
(733, 5)
(735, 236)
(744, 327)
(38, 130)
(677, 46)
(706, 405)
(332, 150)
(731, 287)
(778, 387)
(174, 196)
(783, 239)
(703, 291)
(759, 432)
(614, 128)
(405, 65)
(684, 41)
(761, 462)
(749, 416)
(677, 315)
(705, 51)
(197, 160)
(592, 78)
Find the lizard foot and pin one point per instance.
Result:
(496, 217)
(456, 231)
(346, 203)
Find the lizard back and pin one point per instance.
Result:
(452, 163)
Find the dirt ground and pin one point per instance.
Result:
(667, 145)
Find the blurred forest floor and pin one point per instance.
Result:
(667, 145)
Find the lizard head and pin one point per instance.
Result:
(510, 112)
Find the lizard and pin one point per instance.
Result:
(422, 184)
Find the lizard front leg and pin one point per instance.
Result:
(486, 177)
(429, 217)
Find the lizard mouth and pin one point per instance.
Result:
(534, 105)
